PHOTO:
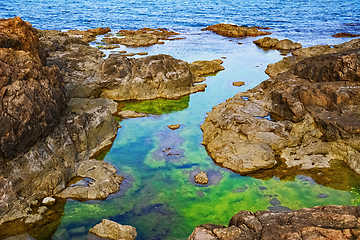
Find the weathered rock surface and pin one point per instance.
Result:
(230, 30)
(50, 163)
(328, 222)
(87, 74)
(274, 43)
(300, 54)
(32, 95)
(201, 178)
(142, 37)
(112, 230)
(317, 108)
(174, 126)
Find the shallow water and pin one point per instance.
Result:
(159, 196)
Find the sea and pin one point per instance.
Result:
(159, 196)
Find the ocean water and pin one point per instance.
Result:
(159, 196)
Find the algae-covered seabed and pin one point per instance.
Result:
(159, 196)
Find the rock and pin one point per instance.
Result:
(238, 83)
(203, 68)
(32, 95)
(201, 178)
(273, 43)
(343, 34)
(20, 237)
(80, 105)
(132, 114)
(174, 126)
(128, 54)
(79, 230)
(141, 38)
(329, 222)
(48, 201)
(229, 30)
(108, 47)
(113, 230)
(61, 234)
(88, 35)
(104, 181)
(142, 53)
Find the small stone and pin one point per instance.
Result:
(275, 202)
(200, 193)
(142, 53)
(238, 83)
(174, 126)
(113, 230)
(48, 201)
(132, 114)
(201, 178)
(42, 209)
(322, 195)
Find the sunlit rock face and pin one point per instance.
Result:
(316, 107)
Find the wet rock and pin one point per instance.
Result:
(113, 230)
(32, 95)
(229, 30)
(131, 114)
(105, 181)
(238, 83)
(332, 222)
(61, 234)
(174, 126)
(344, 34)
(88, 35)
(141, 38)
(273, 43)
(48, 201)
(201, 178)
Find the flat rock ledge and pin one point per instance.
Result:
(321, 222)
(112, 230)
(316, 107)
(235, 31)
(274, 43)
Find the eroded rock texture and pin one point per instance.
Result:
(328, 222)
(316, 105)
(32, 95)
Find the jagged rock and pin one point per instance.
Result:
(113, 230)
(142, 37)
(32, 95)
(201, 178)
(273, 43)
(230, 30)
(328, 222)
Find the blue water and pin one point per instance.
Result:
(159, 196)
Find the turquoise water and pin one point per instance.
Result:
(159, 196)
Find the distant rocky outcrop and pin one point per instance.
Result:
(328, 222)
(235, 31)
(274, 43)
(344, 34)
(88, 35)
(142, 37)
(316, 107)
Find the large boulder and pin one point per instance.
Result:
(32, 95)
(316, 105)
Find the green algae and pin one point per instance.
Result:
(157, 106)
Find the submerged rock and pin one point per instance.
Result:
(274, 43)
(230, 30)
(328, 222)
(112, 230)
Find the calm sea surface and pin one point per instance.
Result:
(159, 196)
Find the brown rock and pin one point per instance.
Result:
(88, 35)
(174, 126)
(201, 178)
(131, 114)
(343, 34)
(112, 230)
(203, 68)
(229, 30)
(238, 83)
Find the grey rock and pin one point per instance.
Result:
(113, 230)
